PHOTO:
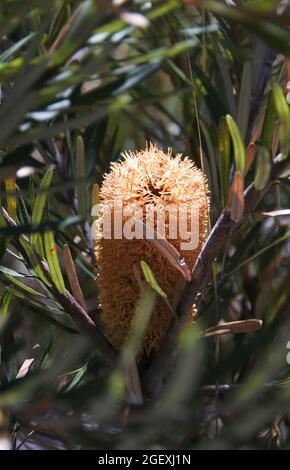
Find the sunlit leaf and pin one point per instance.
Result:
(263, 168)
(40, 201)
(10, 186)
(23, 286)
(224, 149)
(283, 111)
(151, 280)
(53, 261)
(239, 147)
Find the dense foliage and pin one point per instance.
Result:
(81, 81)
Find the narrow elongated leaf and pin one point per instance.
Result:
(279, 240)
(72, 277)
(15, 48)
(2, 219)
(241, 326)
(269, 122)
(275, 140)
(151, 280)
(228, 86)
(23, 286)
(34, 260)
(81, 174)
(118, 24)
(82, 21)
(250, 155)
(10, 272)
(6, 301)
(53, 261)
(24, 368)
(60, 19)
(133, 383)
(211, 158)
(239, 148)
(245, 99)
(224, 149)
(237, 197)
(245, 246)
(273, 34)
(283, 111)
(40, 201)
(263, 168)
(10, 186)
(278, 213)
(77, 377)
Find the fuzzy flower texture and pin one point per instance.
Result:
(152, 178)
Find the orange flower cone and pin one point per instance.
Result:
(148, 178)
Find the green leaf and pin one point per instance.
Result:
(244, 99)
(34, 260)
(11, 272)
(39, 203)
(163, 53)
(212, 158)
(224, 150)
(10, 186)
(84, 19)
(263, 168)
(151, 280)
(81, 175)
(228, 86)
(10, 69)
(2, 219)
(283, 111)
(5, 302)
(269, 122)
(15, 48)
(271, 32)
(244, 247)
(239, 147)
(61, 18)
(23, 286)
(53, 261)
(77, 377)
(262, 5)
(263, 250)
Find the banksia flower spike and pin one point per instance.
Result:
(147, 180)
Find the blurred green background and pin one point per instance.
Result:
(80, 83)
